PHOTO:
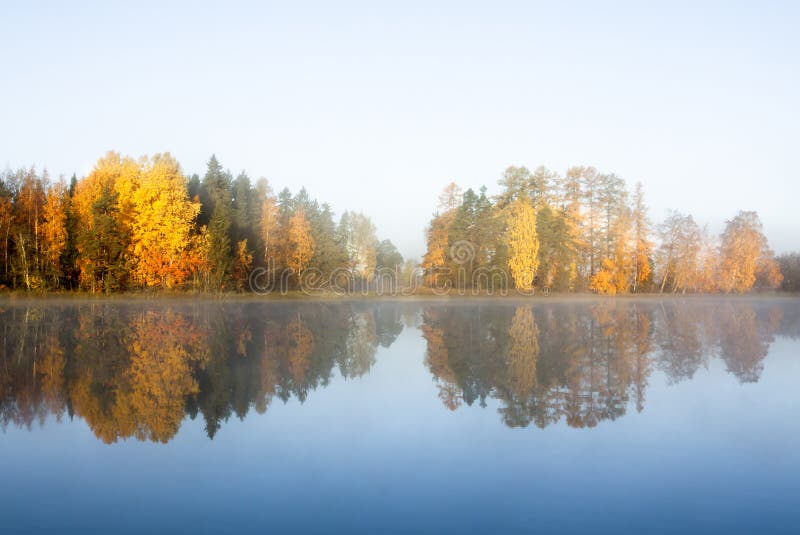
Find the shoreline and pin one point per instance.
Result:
(300, 297)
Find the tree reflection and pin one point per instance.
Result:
(138, 370)
(584, 364)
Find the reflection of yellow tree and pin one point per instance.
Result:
(744, 340)
(523, 353)
(134, 379)
(108, 423)
(160, 373)
(51, 373)
(301, 344)
(436, 358)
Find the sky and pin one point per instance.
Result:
(376, 106)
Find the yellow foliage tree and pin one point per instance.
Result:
(114, 174)
(436, 256)
(242, 263)
(6, 218)
(301, 243)
(162, 226)
(606, 280)
(742, 248)
(768, 272)
(54, 229)
(120, 175)
(523, 243)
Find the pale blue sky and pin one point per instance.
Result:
(376, 107)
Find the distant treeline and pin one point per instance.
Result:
(134, 224)
(585, 231)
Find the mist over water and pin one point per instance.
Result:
(424, 416)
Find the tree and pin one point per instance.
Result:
(214, 186)
(590, 193)
(515, 183)
(301, 243)
(768, 271)
(450, 197)
(523, 243)
(743, 246)
(105, 197)
(540, 186)
(558, 249)
(678, 252)
(329, 252)
(437, 237)
(55, 230)
(789, 266)
(359, 237)
(269, 227)
(242, 264)
(29, 211)
(642, 269)
(604, 281)
(6, 219)
(387, 256)
(219, 250)
(242, 208)
(102, 260)
(163, 224)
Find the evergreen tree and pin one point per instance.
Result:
(217, 213)
(219, 246)
(103, 251)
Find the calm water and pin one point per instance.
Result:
(587, 416)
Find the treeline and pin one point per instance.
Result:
(142, 223)
(790, 269)
(584, 231)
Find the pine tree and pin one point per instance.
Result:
(103, 266)
(219, 246)
(216, 212)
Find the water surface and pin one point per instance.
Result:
(505, 416)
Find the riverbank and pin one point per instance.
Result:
(14, 297)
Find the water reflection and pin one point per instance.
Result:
(588, 363)
(137, 370)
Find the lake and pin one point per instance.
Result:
(646, 416)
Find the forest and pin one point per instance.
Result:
(135, 224)
(585, 231)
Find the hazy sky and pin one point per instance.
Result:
(376, 108)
